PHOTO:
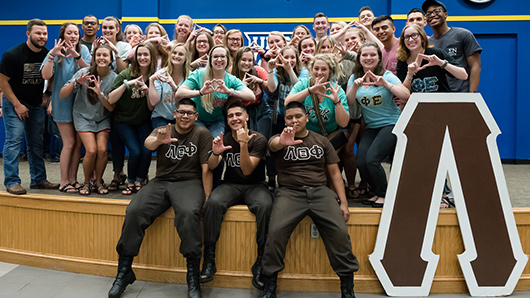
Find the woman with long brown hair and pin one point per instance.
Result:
(132, 113)
(91, 116)
(67, 56)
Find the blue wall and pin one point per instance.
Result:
(504, 41)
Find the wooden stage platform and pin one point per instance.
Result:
(78, 234)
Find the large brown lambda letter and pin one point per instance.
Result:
(452, 134)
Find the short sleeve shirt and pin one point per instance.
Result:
(132, 106)
(326, 107)
(305, 164)
(257, 147)
(459, 43)
(22, 66)
(430, 79)
(182, 160)
(377, 103)
(195, 82)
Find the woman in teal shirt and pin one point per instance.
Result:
(323, 95)
(211, 87)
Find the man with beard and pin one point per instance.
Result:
(23, 107)
(90, 28)
(182, 181)
(460, 43)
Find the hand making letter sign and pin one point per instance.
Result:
(450, 134)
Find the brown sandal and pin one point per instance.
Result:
(102, 189)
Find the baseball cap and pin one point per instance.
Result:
(429, 3)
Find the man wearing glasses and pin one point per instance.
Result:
(90, 28)
(460, 43)
(182, 181)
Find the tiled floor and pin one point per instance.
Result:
(29, 282)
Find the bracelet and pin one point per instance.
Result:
(269, 72)
(336, 103)
(444, 65)
(102, 95)
(390, 89)
(78, 57)
(200, 94)
(126, 85)
(214, 154)
(48, 92)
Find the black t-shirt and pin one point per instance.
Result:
(257, 147)
(305, 164)
(22, 66)
(430, 79)
(182, 160)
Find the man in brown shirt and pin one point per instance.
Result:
(183, 181)
(302, 159)
(244, 153)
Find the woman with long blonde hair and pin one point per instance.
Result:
(210, 88)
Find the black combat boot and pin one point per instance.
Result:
(346, 286)
(208, 266)
(270, 284)
(124, 277)
(192, 277)
(257, 271)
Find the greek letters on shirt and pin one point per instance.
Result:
(323, 113)
(168, 97)
(32, 75)
(218, 101)
(374, 100)
(303, 153)
(453, 52)
(427, 84)
(177, 152)
(233, 160)
(137, 93)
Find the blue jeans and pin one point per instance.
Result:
(161, 121)
(133, 136)
(33, 126)
(214, 127)
(376, 144)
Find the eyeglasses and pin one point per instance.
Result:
(234, 39)
(412, 36)
(89, 23)
(202, 41)
(433, 12)
(189, 113)
(221, 57)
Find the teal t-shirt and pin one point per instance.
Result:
(377, 102)
(327, 108)
(195, 82)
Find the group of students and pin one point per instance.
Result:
(212, 106)
(349, 82)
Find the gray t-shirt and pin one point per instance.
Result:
(88, 116)
(459, 43)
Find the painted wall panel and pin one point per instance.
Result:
(504, 42)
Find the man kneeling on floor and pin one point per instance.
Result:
(302, 158)
(182, 180)
(244, 153)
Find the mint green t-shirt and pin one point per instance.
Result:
(195, 82)
(327, 108)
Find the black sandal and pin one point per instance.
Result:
(102, 189)
(85, 190)
(114, 185)
(68, 188)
